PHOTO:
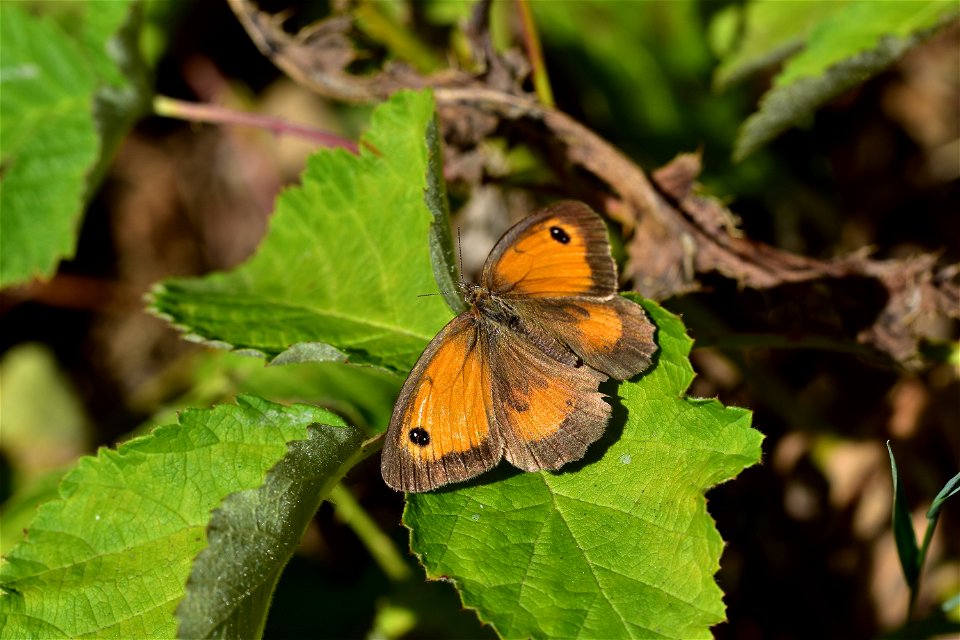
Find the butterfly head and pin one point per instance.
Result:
(473, 293)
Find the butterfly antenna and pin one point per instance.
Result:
(460, 250)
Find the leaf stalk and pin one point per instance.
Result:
(215, 114)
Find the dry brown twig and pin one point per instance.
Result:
(677, 235)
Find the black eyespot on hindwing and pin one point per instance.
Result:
(558, 234)
(419, 437)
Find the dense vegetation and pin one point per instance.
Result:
(191, 191)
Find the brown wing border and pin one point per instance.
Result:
(602, 266)
(403, 472)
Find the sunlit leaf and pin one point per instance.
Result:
(340, 274)
(849, 46)
(66, 97)
(111, 555)
(619, 545)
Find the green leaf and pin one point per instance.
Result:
(844, 50)
(362, 395)
(759, 34)
(949, 490)
(20, 508)
(343, 264)
(617, 545)
(903, 532)
(65, 101)
(110, 557)
(445, 269)
(41, 415)
(254, 533)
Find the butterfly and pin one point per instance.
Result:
(517, 374)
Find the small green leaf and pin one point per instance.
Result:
(949, 490)
(756, 35)
(903, 532)
(619, 545)
(861, 27)
(844, 50)
(64, 103)
(343, 265)
(110, 557)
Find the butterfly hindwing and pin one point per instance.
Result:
(613, 336)
(548, 412)
(440, 431)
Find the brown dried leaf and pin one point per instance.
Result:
(914, 293)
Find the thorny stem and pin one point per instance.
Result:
(215, 114)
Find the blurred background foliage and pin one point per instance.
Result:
(809, 546)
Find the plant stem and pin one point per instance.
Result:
(381, 547)
(531, 41)
(373, 18)
(196, 112)
(927, 536)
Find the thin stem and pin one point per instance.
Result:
(374, 19)
(531, 41)
(379, 545)
(915, 588)
(214, 114)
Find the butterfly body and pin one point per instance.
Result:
(517, 374)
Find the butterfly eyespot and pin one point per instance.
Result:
(419, 437)
(558, 234)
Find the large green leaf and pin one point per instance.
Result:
(846, 48)
(110, 557)
(254, 533)
(340, 273)
(66, 98)
(619, 545)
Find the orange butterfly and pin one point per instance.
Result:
(517, 374)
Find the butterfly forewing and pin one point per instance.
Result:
(442, 428)
(562, 250)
